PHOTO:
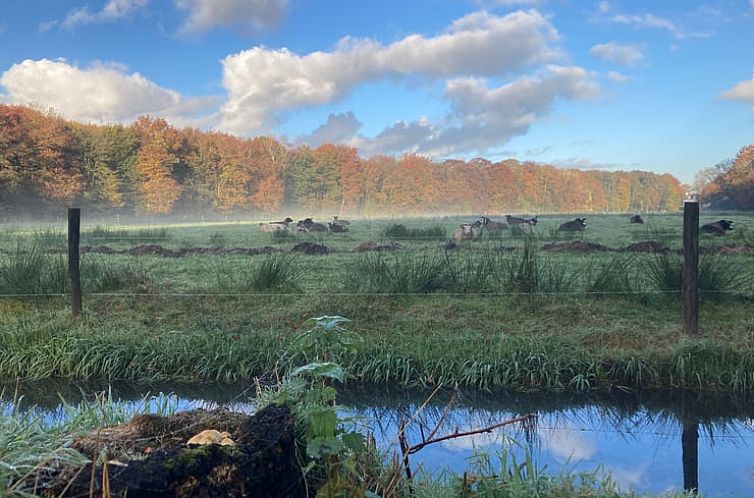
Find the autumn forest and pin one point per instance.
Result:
(151, 167)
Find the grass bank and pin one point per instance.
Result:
(524, 343)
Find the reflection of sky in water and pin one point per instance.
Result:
(641, 451)
(638, 453)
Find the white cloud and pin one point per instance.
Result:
(742, 92)
(339, 129)
(653, 21)
(617, 77)
(521, 2)
(101, 93)
(112, 11)
(261, 83)
(247, 15)
(604, 12)
(483, 117)
(626, 55)
(568, 444)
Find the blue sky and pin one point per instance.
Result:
(665, 86)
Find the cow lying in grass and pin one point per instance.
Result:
(513, 220)
(308, 225)
(718, 227)
(637, 220)
(468, 231)
(576, 225)
(338, 225)
(275, 226)
(493, 226)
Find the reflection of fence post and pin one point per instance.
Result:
(690, 456)
(74, 276)
(691, 267)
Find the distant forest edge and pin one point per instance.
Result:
(150, 167)
(729, 184)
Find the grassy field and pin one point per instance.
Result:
(492, 313)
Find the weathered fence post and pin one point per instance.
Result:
(691, 267)
(74, 276)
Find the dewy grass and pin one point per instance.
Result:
(400, 274)
(273, 273)
(717, 274)
(29, 270)
(143, 234)
(400, 231)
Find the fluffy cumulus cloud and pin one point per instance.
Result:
(262, 83)
(626, 55)
(101, 93)
(742, 92)
(246, 15)
(482, 117)
(112, 11)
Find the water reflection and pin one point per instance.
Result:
(649, 443)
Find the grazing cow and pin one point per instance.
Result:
(275, 226)
(513, 220)
(493, 226)
(577, 225)
(718, 227)
(636, 220)
(308, 225)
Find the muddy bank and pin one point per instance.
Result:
(149, 458)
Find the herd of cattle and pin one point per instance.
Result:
(306, 225)
(470, 230)
(475, 229)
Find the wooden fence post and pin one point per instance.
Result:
(74, 275)
(691, 267)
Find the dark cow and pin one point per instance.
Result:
(513, 220)
(493, 226)
(718, 227)
(308, 225)
(577, 225)
(637, 220)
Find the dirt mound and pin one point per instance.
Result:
(311, 248)
(157, 250)
(578, 246)
(647, 246)
(371, 245)
(262, 463)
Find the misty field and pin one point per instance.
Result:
(494, 312)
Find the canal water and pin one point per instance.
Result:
(650, 443)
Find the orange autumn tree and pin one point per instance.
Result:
(159, 155)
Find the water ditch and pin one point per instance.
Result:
(650, 443)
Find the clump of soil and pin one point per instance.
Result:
(652, 246)
(311, 248)
(370, 245)
(578, 246)
(262, 463)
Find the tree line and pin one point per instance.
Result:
(151, 167)
(729, 184)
